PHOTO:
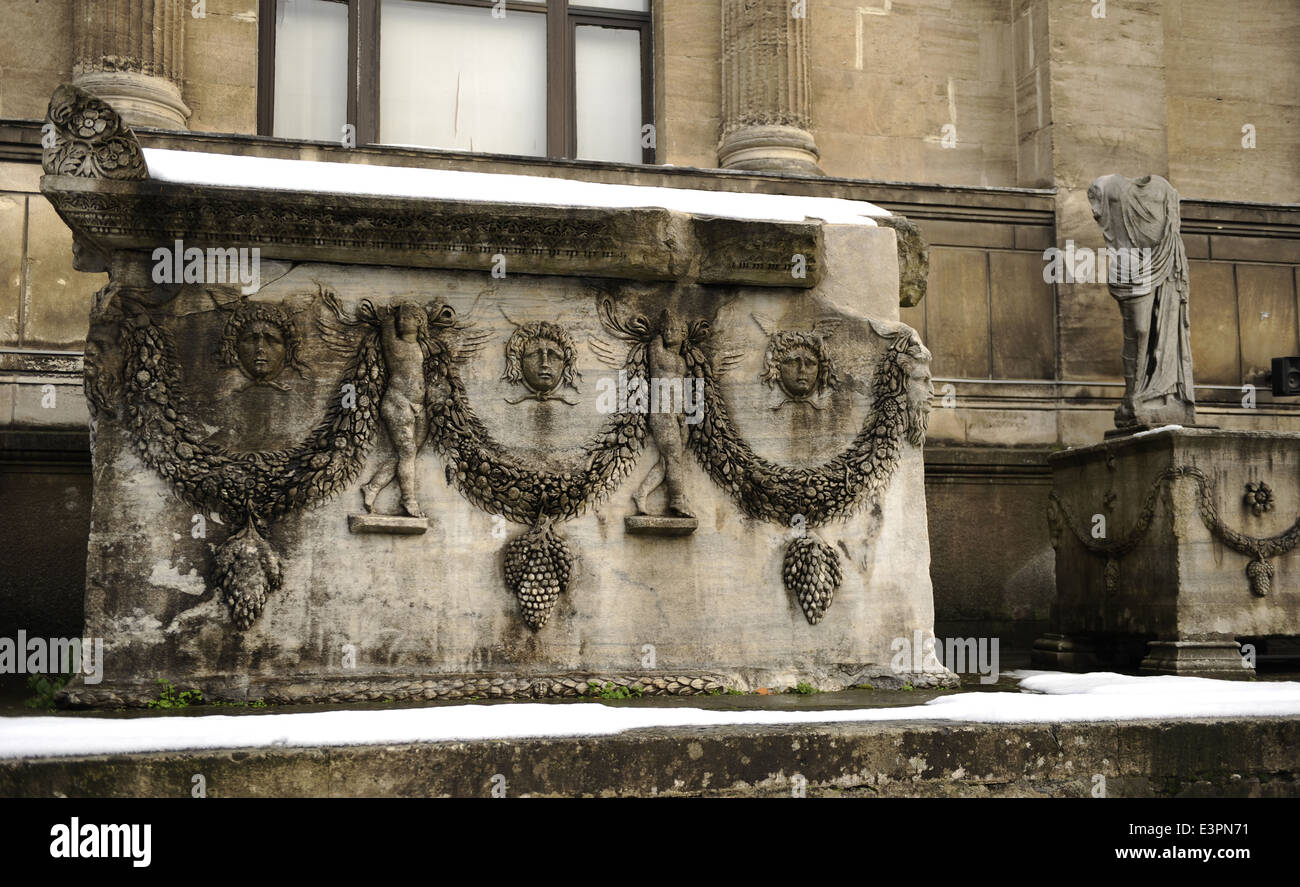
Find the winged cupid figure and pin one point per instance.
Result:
(404, 336)
(664, 341)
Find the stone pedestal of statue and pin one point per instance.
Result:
(1172, 548)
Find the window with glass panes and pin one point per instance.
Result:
(544, 78)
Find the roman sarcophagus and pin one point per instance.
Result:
(365, 432)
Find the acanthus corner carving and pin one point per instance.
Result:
(83, 136)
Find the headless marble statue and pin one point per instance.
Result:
(1148, 278)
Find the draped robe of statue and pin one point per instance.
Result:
(1142, 214)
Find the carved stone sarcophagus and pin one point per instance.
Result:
(363, 432)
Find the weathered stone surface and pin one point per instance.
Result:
(913, 260)
(1155, 538)
(641, 244)
(775, 254)
(656, 525)
(394, 524)
(1227, 757)
(244, 413)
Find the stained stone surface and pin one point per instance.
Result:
(1157, 541)
(655, 525)
(241, 440)
(388, 523)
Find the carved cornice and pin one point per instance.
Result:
(636, 244)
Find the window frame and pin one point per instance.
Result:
(562, 22)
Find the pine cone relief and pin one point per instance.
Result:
(812, 573)
(537, 567)
(246, 570)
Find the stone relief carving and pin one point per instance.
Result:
(86, 137)
(541, 357)
(261, 341)
(402, 368)
(814, 496)
(405, 336)
(798, 362)
(1140, 221)
(1259, 571)
(1258, 498)
(662, 344)
(248, 490)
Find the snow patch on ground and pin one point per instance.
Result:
(231, 170)
(1052, 698)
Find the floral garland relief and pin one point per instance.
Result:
(253, 490)
(402, 371)
(1258, 498)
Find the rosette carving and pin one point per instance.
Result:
(84, 136)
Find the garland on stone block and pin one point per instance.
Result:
(251, 490)
(814, 496)
(1259, 571)
(538, 564)
(248, 490)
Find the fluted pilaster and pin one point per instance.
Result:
(131, 54)
(766, 101)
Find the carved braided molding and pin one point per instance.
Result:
(378, 689)
(85, 137)
(1259, 572)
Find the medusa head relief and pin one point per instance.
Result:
(261, 340)
(798, 361)
(541, 357)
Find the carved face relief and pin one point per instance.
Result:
(540, 356)
(799, 363)
(410, 320)
(541, 364)
(102, 374)
(261, 350)
(920, 390)
(261, 341)
(87, 258)
(798, 371)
